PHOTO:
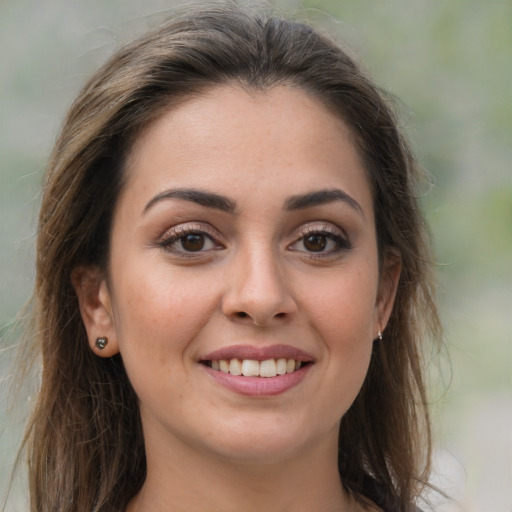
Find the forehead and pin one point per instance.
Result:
(229, 135)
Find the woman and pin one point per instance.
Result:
(233, 282)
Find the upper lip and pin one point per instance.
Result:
(258, 353)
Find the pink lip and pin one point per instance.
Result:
(258, 386)
(258, 353)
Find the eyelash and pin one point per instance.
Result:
(179, 233)
(342, 243)
(326, 234)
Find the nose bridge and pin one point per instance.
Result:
(257, 289)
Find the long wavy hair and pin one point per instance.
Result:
(84, 440)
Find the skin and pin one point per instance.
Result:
(256, 282)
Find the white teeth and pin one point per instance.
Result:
(281, 366)
(235, 367)
(253, 368)
(224, 366)
(250, 368)
(268, 368)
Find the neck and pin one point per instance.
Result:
(180, 479)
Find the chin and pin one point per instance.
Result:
(266, 442)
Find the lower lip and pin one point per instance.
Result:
(259, 386)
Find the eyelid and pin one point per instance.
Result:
(182, 229)
(334, 232)
(174, 233)
(320, 227)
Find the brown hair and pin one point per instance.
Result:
(84, 440)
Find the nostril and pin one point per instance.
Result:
(243, 314)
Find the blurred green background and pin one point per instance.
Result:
(449, 62)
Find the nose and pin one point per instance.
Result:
(257, 291)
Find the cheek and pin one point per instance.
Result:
(159, 310)
(342, 313)
(345, 304)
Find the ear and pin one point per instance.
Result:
(388, 285)
(91, 288)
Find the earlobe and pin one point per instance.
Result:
(95, 307)
(388, 286)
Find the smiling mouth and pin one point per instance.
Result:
(254, 368)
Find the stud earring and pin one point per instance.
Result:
(379, 335)
(101, 343)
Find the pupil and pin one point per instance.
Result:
(193, 242)
(315, 243)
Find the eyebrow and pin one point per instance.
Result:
(320, 197)
(226, 204)
(208, 199)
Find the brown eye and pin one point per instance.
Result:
(324, 242)
(193, 242)
(185, 241)
(315, 243)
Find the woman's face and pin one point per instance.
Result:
(244, 241)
